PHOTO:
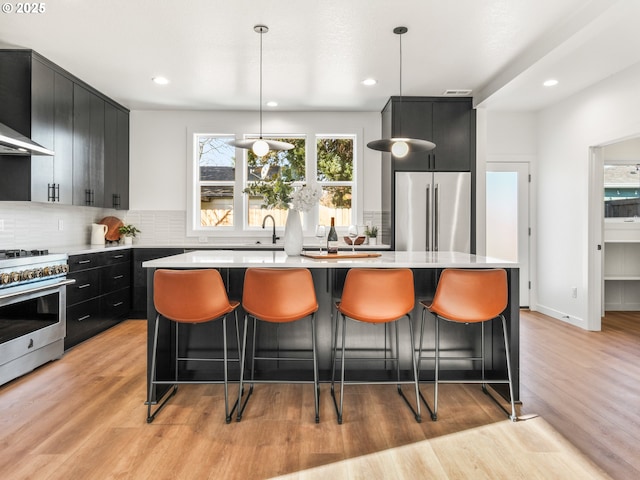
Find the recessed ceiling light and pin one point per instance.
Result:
(552, 82)
(369, 81)
(272, 104)
(160, 80)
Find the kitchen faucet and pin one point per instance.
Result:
(264, 221)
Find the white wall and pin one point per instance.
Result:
(503, 137)
(159, 148)
(599, 115)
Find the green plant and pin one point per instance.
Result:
(275, 193)
(128, 230)
(371, 231)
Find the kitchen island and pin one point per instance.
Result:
(328, 276)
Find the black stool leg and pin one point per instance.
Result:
(172, 391)
(513, 415)
(241, 405)
(316, 385)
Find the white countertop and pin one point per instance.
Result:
(257, 258)
(82, 249)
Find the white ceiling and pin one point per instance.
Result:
(317, 52)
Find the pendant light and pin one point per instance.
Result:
(400, 146)
(261, 147)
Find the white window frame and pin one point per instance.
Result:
(245, 180)
(240, 203)
(355, 210)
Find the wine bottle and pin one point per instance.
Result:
(332, 238)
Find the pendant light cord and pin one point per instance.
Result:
(400, 105)
(261, 34)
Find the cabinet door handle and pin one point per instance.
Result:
(118, 277)
(117, 256)
(117, 304)
(84, 318)
(82, 262)
(84, 286)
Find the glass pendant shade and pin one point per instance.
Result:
(400, 148)
(260, 148)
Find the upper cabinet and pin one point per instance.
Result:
(116, 158)
(59, 111)
(88, 148)
(447, 122)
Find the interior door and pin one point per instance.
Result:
(507, 217)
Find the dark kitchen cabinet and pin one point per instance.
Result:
(37, 102)
(88, 147)
(101, 296)
(116, 158)
(448, 122)
(61, 189)
(140, 255)
(56, 109)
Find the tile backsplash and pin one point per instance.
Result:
(30, 225)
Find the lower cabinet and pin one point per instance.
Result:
(139, 290)
(101, 296)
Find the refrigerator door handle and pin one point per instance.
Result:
(436, 217)
(428, 222)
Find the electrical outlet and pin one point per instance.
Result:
(574, 292)
(60, 225)
(202, 239)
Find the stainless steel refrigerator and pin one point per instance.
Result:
(433, 211)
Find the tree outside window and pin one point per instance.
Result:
(269, 182)
(335, 174)
(272, 179)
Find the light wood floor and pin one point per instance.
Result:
(83, 417)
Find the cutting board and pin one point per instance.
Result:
(113, 224)
(336, 256)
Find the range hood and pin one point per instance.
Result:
(14, 143)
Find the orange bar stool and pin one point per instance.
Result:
(376, 296)
(278, 295)
(469, 297)
(190, 297)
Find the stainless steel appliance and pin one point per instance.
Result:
(433, 211)
(32, 310)
(14, 143)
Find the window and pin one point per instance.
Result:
(622, 190)
(335, 173)
(272, 179)
(215, 180)
(229, 201)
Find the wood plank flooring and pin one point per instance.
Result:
(527, 449)
(587, 385)
(83, 417)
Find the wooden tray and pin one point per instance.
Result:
(335, 256)
(113, 224)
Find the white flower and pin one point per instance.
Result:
(305, 198)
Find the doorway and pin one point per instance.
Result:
(507, 218)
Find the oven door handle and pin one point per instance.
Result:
(40, 288)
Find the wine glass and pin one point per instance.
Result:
(320, 230)
(353, 234)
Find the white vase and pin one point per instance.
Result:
(373, 240)
(128, 240)
(293, 233)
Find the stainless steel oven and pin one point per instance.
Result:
(32, 310)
